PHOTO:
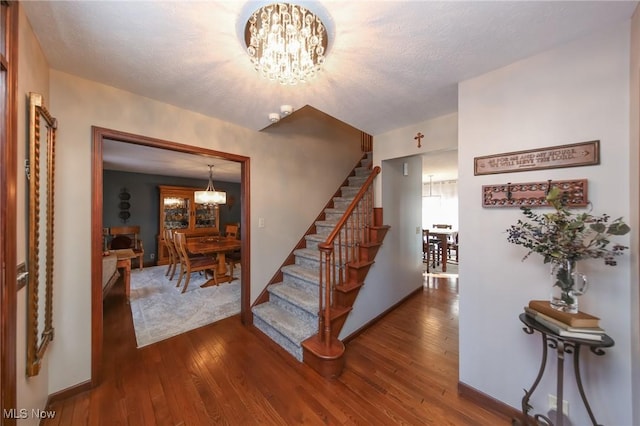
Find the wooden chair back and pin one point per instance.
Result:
(442, 226)
(180, 246)
(231, 231)
(189, 264)
(180, 241)
(131, 232)
(173, 254)
(127, 237)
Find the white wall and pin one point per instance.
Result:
(441, 135)
(397, 270)
(33, 76)
(576, 92)
(634, 196)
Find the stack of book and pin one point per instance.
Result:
(579, 326)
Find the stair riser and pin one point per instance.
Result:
(377, 235)
(349, 191)
(301, 282)
(357, 181)
(363, 171)
(368, 253)
(279, 338)
(341, 203)
(313, 240)
(324, 229)
(308, 262)
(298, 280)
(346, 299)
(298, 312)
(357, 274)
(315, 264)
(334, 216)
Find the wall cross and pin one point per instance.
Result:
(419, 137)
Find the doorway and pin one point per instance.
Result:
(99, 135)
(440, 207)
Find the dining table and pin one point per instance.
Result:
(443, 234)
(218, 246)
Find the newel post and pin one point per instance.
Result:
(324, 311)
(377, 216)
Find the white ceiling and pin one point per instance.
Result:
(440, 166)
(126, 157)
(389, 63)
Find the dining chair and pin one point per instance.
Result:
(428, 249)
(234, 257)
(189, 264)
(174, 260)
(442, 226)
(231, 230)
(452, 245)
(438, 243)
(127, 237)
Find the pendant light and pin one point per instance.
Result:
(210, 196)
(431, 188)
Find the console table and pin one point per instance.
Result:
(562, 345)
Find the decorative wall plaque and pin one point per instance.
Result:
(533, 194)
(124, 205)
(573, 155)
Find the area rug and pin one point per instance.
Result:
(452, 269)
(160, 310)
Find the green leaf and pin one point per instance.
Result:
(618, 228)
(576, 224)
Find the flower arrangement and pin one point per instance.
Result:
(565, 235)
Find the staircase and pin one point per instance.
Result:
(291, 315)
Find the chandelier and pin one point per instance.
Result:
(286, 42)
(210, 196)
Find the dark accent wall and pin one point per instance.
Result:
(145, 200)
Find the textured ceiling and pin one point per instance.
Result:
(129, 157)
(389, 63)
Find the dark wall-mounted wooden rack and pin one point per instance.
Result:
(533, 194)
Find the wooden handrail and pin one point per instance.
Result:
(365, 187)
(350, 232)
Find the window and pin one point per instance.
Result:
(440, 203)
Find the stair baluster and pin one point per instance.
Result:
(299, 313)
(354, 226)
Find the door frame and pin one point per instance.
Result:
(99, 134)
(8, 210)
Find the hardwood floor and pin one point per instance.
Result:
(402, 370)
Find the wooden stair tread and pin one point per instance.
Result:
(347, 287)
(339, 311)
